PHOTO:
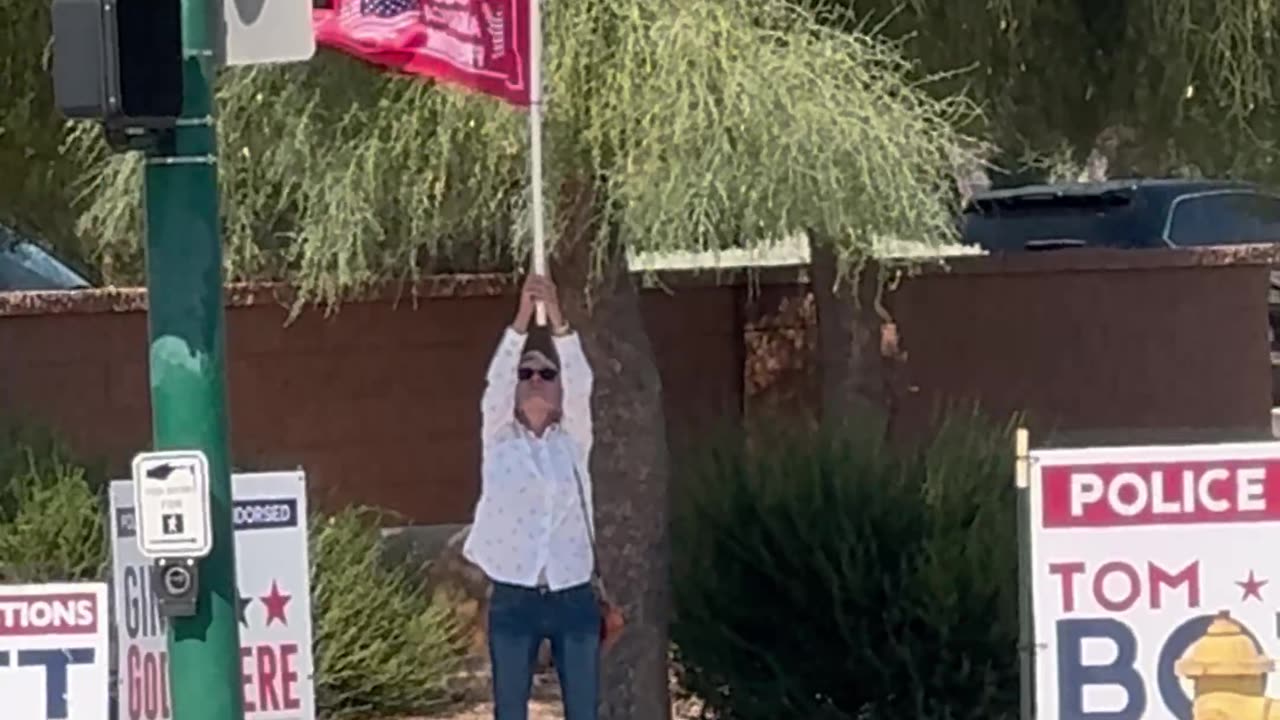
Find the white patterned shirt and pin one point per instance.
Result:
(529, 527)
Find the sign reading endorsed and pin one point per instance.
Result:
(53, 652)
(1156, 581)
(274, 607)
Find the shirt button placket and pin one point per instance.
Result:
(548, 487)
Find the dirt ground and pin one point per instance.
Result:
(545, 706)
(538, 710)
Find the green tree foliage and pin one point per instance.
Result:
(1182, 85)
(35, 185)
(1160, 86)
(703, 124)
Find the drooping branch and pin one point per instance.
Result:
(710, 123)
(1197, 78)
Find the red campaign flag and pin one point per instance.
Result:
(481, 45)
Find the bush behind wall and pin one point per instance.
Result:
(829, 577)
(382, 646)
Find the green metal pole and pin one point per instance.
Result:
(187, 363)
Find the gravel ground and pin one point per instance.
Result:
(545, 705)
(538, 710)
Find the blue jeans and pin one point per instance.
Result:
(520, 618)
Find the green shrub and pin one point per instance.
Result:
(33, 453)
(51, 516)
(55, 529)
(826, 577)
(383, 647)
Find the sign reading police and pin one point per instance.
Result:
(1146, 563)
(269, 512)
(53, 651)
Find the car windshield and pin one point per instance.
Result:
(1225, 218)
(1030, 222)
(26, 266)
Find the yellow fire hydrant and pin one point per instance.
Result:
(1229, 674)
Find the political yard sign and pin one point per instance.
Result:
(1156, 582)
(53, 652)
(274, 606)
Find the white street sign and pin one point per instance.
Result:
(267, 31)
(273, 604)
(53, 652)
(1143, 559)
(171, 491)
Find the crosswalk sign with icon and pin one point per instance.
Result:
(171, 493)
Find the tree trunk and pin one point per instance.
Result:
(856, 385)
(629, 465)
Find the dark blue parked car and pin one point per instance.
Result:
(24, 265)
(1132, 214)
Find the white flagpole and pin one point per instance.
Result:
(535, 146)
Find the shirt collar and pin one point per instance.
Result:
(553, 428)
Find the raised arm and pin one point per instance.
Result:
(497, 404)
(576, 381)
(576, 378)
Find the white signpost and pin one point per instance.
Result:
(274, 607)
(259, 32)
(171, 492)
(1137, 555)
(53, 652)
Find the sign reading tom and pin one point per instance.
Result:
(273, 607)
(1156, 582)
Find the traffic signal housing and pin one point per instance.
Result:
(118, 61)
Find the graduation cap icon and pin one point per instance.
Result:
(163, 471)
(250, 10)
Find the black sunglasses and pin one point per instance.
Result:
(547, 374)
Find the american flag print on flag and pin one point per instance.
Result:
(480, 45)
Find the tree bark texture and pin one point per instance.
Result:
(857, 345)
(629, 465)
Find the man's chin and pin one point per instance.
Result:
(537, 411)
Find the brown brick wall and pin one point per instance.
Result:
(380, 402)
(1103, 351)
(1096, 347)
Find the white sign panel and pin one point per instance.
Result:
(267, 31)
(1138, 554)
(274, 604)
(53, 652)
(171, 491)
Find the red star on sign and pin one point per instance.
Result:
(275, 602)
(1252, 587)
